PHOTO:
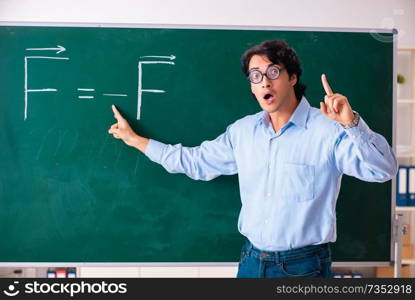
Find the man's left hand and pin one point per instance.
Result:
(335, 106)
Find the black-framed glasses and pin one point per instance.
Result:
(272, 73)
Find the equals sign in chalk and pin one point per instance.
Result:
(86, 90)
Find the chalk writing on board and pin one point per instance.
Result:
(58, 49)
(171, 57)
(93, 90)
(26, 89)
(86, 90)
(140, 77)
(115, 95)
(87, 93)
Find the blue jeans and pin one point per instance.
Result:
(309, 261)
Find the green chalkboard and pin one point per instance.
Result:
(69, 192)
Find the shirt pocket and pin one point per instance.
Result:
(297, 182)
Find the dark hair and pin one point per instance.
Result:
(278, 52)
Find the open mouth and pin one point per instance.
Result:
(268, 98)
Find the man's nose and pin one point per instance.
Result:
(266, 83)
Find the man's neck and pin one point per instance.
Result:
(280, 117)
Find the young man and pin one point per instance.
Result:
(290, 159)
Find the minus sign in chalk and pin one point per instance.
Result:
(85, 97)
(116, 95)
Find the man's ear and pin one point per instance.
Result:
(293, 79)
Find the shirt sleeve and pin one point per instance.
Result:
(364, 154)
(205, 162)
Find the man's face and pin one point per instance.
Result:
(272, 95)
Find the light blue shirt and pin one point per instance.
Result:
(289, 180)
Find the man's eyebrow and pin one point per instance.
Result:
(257, 68)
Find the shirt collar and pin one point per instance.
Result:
(299, 116)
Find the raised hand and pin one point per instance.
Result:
(335, 106)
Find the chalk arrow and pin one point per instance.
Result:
(59, 49)
(171, 57)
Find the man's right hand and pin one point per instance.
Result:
(122, 130)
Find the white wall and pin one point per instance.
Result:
(398, 14)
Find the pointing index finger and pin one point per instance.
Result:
(117, 114)
(326, 85)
